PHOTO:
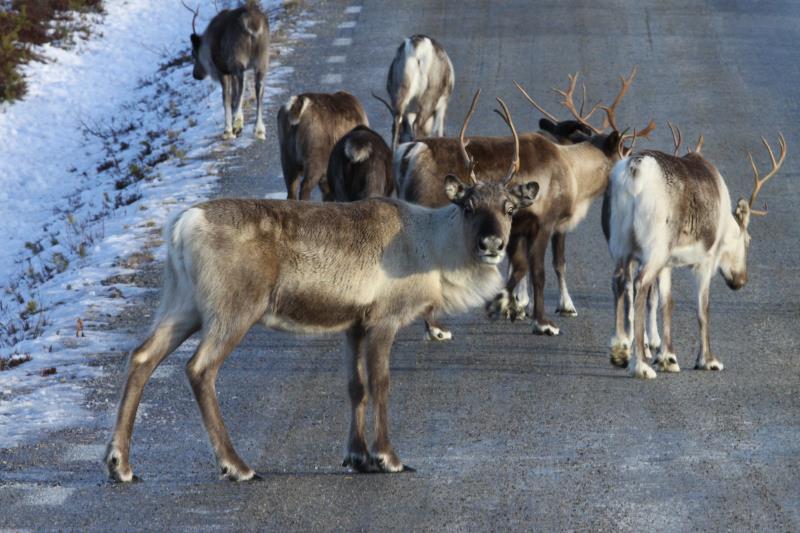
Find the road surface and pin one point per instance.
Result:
(507, 430)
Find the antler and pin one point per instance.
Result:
(506, 116)
(621, 145)
(759, 181)
(195, 12)
(570, 105)
(611, 111)
(468, 161)
(534, 104)
(384, 102)
(677, 139)
(699, 144)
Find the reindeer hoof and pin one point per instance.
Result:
(231, 472)
(642, 371)
(361, 463)
(261, 134)
(499, 305)
(118, 471)
(667, 363)
(620, 353)
(716, 364)
(545, 328)
(567, 312)
(516, 311)
(437, 334)
(228, 135)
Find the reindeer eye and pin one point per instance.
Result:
(510, 208)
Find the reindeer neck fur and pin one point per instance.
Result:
(591, 168)
(440, 246)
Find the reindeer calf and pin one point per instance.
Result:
(234, 41)
(360, 167)
(309, 125)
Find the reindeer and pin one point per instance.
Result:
(571, 174)
(419, 84)
(234, 41)
(234, 262)
(664, 211)
(360, 167)
(309, 125)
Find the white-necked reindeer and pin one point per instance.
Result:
(419, 84)
(664, 211)
(365, 268)
(234, 41)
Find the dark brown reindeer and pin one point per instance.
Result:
(571, 173)
(234, 41)
(360, 167)
(232, 263)
(419, 84)
(309, 125)
(662, 212)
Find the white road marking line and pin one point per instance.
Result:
(336, 59)
(353, 9)
(348, 24)
(331, 79)
(342, 41)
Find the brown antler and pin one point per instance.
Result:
(699, 144)
(506, 116)
(468, 161)
(384, 102)
(621, 150)
(534, 104)
(759, 181)
(677, 139)
(570, 105)
(611, 111)
(195, 13)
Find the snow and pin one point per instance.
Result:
(105, 146)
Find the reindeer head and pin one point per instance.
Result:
(736, 242)
(488, 208)
(199, 71)
(611, 143)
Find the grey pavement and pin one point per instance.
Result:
(507, 430)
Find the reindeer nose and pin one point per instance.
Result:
(491, 244)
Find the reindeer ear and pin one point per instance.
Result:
(547, 125)
(454, 189)
(742, 213)
(525, 193)
(196, 40)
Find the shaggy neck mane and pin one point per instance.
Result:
(465, 281)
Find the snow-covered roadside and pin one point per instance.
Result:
(107, 144)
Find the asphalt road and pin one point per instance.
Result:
(507, 430)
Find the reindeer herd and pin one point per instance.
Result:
(366, 264)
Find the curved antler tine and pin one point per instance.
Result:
(611, 111)
(534, 104)
(676, 137)
(515, 163)
(384, 102)
(647, 130)
(699, 144)
(195, 13)
(468, 161)
(567, 101)
(758, 181)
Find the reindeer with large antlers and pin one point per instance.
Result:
(665, 211)
(571, 161)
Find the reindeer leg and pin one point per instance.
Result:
(637, 366)
(238, 98)
(227, 101)
(202, 368)
(167, 335)
(665, 360)
(506, 304)
(434, 330)
(291, 175)
(565, 305)
(706, 360)
(357, 456)
(261, 132)
(541, 324)
(315, 174)
(379, 346)
(620, 342)
(652, 338)
(439, 116)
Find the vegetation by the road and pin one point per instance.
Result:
(25, 24)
